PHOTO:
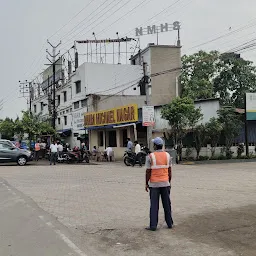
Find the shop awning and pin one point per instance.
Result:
(111, 126)
(64, 132)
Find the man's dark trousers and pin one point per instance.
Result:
(53, 157)
(154, 206)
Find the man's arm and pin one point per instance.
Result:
(148, 175)
(170, 173)
(148, 172)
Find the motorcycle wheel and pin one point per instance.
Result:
(127, 161)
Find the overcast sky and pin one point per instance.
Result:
(26, 25)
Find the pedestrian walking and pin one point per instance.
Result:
(37, 150)
(158, 182)
(54, 153)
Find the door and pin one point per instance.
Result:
(7, 153)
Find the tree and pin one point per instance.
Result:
(198, 71)
(232, 125)
(199, 138)
(7, 128)
(181, 115)
(236, 76)
(213, 131)
(18, 128)
(228, 76)
(34, 126)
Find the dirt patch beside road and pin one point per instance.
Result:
(230, 231)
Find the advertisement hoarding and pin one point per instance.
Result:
(148, 116)
(251, 106)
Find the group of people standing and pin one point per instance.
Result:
(55, 149)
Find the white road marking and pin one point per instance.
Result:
(69, 243)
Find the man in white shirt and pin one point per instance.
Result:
(54, 153)
(137, 152)
(137, 147)
(109, 153)
(60, 149)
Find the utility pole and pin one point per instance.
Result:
(53, 63)
(26, 92)
(246, 127)
(148, 102)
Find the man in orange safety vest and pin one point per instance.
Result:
(158, 178)
(37, 150)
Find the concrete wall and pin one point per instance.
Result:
(164, 86)
(108, 78)
(209, 109)
(206, 151)
(104, 102)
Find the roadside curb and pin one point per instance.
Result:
(231, 161)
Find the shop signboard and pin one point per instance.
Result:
(251, 106)
(78, 120)
(119, 115)
(148, 116)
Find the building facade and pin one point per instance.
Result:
(164, 67)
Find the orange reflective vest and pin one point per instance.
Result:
(37, 147)
(160, 163)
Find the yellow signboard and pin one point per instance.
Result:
(119, 115)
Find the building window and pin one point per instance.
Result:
(84, 103)
(67, 110)
(76, 105)
(42, 106)
(59, 120)
(70, 110)
(34, 108)
(65, 96)
(78, 87)
(112, 139)
(100, 139)
(65, 120)
(58, 100)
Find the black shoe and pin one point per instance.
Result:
(150, 229)
(170, 227)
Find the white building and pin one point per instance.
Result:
(88, 79)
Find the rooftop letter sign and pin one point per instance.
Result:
(154, 29)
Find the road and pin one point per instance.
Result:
(103, 209)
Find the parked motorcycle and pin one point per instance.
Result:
(131, 159)
(78, 156)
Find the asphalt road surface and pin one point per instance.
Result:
(103, 210)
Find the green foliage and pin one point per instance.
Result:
(206, 75)
(7, 128)
(231, 125)
(181, 115)
(33, 125)
(203, 158)
(199, 135)
(198, 71)
(213, 131)
(29, 124)
(240, 150)
(236, 76)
